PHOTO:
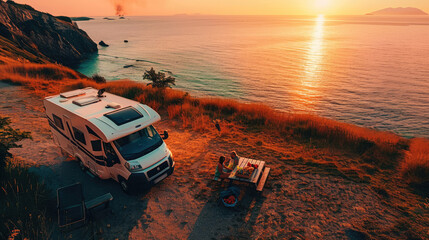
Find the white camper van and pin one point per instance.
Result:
(111, 136)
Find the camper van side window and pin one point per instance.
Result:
(79, 135)
(90, 131)
(96, 145)
(110, 153)
(58, 121)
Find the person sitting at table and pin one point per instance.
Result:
(232, 162)
(221, 172)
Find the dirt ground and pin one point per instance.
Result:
(306, 197)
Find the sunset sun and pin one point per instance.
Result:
(321, 5)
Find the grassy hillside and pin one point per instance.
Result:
(9, 52)
(383, 150)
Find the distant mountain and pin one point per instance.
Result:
(398, 11)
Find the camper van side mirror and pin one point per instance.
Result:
(165, 135)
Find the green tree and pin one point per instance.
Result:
(159, 80)
(8, 139)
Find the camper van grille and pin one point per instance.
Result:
(157, 169)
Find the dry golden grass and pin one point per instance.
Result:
(24, 204)
(43, 79)
(40, 71)
(415, 167)
(383, 149)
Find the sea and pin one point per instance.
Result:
(372, 71)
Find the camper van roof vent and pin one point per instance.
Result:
(73, 93)
(124, 115)
(113, 105)
(86, 101)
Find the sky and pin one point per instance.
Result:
(76, 8)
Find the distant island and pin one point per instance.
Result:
(398, 11)
(81, 18)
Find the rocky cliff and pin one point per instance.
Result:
(43, 35)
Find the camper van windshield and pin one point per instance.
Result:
(139, 143)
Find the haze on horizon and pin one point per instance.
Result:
(218, 7)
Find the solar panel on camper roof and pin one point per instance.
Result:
(73, 93)
(124, 115)
(86, 101)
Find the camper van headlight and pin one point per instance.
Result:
(133, 167)
(170, 159)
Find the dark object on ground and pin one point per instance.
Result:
(125, 41)
(72, 207)
(234, 191)
(107, 18)
(103, 44)
(100, 202)
(356, 235)
(217, 126)
(128, 66)
(98, 79)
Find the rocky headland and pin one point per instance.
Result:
(41, 37)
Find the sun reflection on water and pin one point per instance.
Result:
(310, 81)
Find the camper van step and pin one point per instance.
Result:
(90, 174)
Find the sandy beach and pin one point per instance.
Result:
(311, 193)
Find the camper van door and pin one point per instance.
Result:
(113, 162)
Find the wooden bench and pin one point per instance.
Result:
(98, 201)
(263, 179)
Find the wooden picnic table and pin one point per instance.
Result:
(255, 178)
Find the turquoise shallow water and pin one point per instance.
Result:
(371, 71)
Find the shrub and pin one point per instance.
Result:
(23, 199)
(8, 139)
(98, 79)
(158, 80)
